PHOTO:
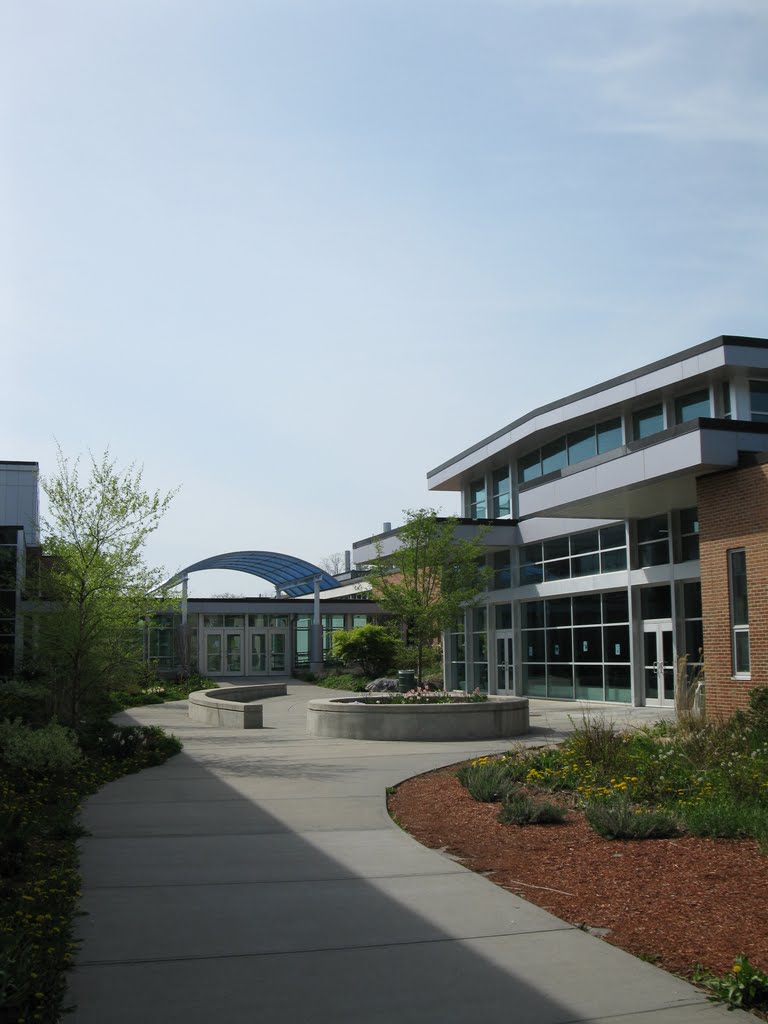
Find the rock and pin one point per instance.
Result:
(382, 685)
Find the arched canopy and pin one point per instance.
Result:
(293, 576)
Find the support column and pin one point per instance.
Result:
(316, 633)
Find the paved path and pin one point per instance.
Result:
(257, 877)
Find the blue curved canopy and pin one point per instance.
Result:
(293, 576)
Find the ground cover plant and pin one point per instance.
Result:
(697, 789)
(45, 773)
(703, 778)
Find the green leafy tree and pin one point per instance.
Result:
(373, 647)
(95, 587)
(428, 581)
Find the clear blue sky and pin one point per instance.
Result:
(291, 255)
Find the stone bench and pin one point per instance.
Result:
(233, 707)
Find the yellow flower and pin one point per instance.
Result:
(736, 968)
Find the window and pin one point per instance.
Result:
(457, 656)
(694, 631)
(758, 400)
(690, 407)
(477, 500)
(503, 616)
(577, 647)
(648, 421)
(479, 648)
(571, 449)
(652, 541)
(689, 534)
(501, 502)
(737, 582)
(580, 554)
(726, 397)
(502, 571)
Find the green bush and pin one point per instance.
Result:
(148, 743)
(520, 809)
(343, 681)
(25, 701)
(485, 781)
(53, 748)
(373, 648)
(617, 818)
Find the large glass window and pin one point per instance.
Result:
(652, 541)
(457, 656)
(758, 400)
(571, 448)
(580, 554)
(502, 570)
(694, 632)
(648, 421)
(501, 493)
(737, 579)
(577, 647)
(690, 407)
(478, 508)
(689, 534)
(479, 648)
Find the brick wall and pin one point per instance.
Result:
(733, 513)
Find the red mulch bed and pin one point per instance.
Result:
(676, 902)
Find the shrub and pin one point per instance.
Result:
(148, 743)
(618, 818)
(596, 740)
(25, 701)
(53, 748)
(519, 809)
(485, 781)
(724, 818)
(372, 647)
(744, 987)
(343, 681)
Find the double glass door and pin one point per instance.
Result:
(504, 665)
(224, 652)
(268, 652)
(658, 663)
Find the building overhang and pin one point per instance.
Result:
(494, 533)
(645, 479)
(702, 363)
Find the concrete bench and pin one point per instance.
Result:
(233, 707)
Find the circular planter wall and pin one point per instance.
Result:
(359, 718)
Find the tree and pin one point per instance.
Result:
(96, 589)
(333, 564)
(429, 580)
(373, 647)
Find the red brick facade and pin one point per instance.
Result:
(733, 514)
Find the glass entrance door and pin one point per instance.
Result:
(224, 652)
(658, 663)
(504, 667)
(269, 652)
(259, 653)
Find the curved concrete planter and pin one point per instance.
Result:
(357, 718)
(232, 707)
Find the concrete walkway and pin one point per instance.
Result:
(257, 876)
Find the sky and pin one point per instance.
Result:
(288, 256)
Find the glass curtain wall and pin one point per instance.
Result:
(577, 647)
